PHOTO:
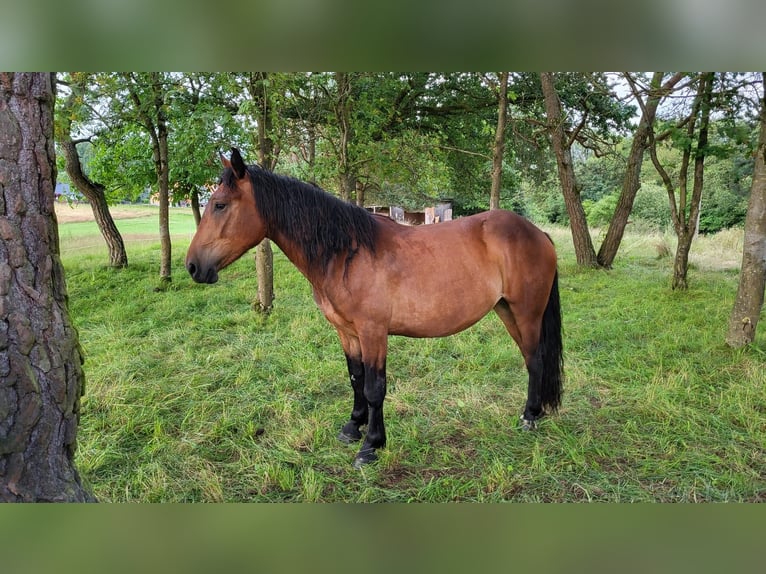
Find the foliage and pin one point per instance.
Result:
(599, 176)
(722, 209)
(544, 201)
(728, 171)
(203, 127)
(600, 212)
(119, 158)
(651, 206)
(727, 177)
(415, 137)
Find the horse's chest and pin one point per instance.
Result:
(332, 312)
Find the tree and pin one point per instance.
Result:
(41, 377)
(370, 138)
(691, 134)
(499, 147)
(632, 179)
(752, 279)
(342, 106)
(149, 93)
(92, 190)
(258, 85)
(561, 143)
(460, 112)
(201, 116)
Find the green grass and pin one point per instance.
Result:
(192, 396)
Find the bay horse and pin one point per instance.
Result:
(373, 277)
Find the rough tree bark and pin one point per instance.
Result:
(632, 180)
(583, 244)
(499, 147)
(752, 278)
(41, 377)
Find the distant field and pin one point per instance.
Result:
(138, 224)
(66, 213)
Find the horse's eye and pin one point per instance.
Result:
(219, 206)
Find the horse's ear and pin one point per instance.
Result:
(237, 163)
(226, 163)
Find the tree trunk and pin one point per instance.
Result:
(632, 179)
(346, 178)
(194, 196)
(347, 182)
(264, 254)
(264, 270)
(361, 191)
(752, 278)
(163, 177)
(41, 377)
(681, 261)
(312, 146)
(499, 147)
(685, 226)
(151, 114)
(94, 192)
(583, 244)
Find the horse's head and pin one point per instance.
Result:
(230, 225)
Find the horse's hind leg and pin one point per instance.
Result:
(526, 333)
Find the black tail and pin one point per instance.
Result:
(551, 351)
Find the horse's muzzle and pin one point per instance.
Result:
(200, 274)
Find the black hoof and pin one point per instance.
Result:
(528, 425)
(365, 456)
(349, 434)
(347, 439)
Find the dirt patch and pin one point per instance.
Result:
(66, 213)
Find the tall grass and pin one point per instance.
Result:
(192, 396)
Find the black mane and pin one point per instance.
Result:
(321, 224)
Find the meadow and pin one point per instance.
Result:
(192, 396)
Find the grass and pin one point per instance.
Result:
(192, 396)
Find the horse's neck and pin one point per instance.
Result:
(292, 251)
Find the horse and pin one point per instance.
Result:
(372, 277)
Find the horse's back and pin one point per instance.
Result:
(490, 234)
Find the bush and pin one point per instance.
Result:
(651, 206)
(599, 213)
(722, 210)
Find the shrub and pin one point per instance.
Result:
(599, 213)
(651, 206)
(722, 210)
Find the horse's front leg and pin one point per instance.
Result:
(366, 359)
(350, 431)
(375, 393)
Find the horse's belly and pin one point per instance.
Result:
(438, 316)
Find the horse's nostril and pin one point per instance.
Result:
(191, 268)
